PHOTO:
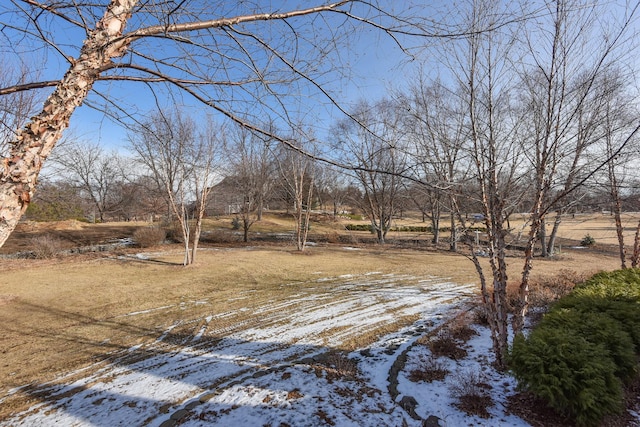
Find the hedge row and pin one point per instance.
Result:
(585, 348)
(406, 228)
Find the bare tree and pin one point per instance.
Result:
(570, 80)
(298, 179)
(437, 131)
(482, 70)
(15, 108)
(378, 158)
(204, 157)
(333, 187)
(182, 162)
(525, 138)
(250, 170)
(618, 122)
(94, 172)
(233, 58)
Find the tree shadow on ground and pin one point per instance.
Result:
(148, 383)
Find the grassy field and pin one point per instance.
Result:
(60, 315)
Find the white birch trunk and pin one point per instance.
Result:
(19, 171)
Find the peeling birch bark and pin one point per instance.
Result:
(20, 169)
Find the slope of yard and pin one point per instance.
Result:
(259, 336)
(269, 368)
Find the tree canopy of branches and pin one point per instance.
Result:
(182, 159)
(245, 61)
(95, 172)
(377, 155)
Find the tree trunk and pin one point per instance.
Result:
(435, 228)
(33, 144)
(636, 248)
(453, 245)
(554, 233)
(245, 228)
(201, 206)
(620, 232)
(520, 311)
(543, 239)
(195, 240)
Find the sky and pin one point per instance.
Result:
(364, 63)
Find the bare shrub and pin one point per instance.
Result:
(460, 329)
(429, 369)
(173, 232)
(46, 246)
(549, 289)
(544, 291)
(332, 237)
(471, 391)
(219, 235)
(149, 236)
(339, 366)
(444, 344)
(481, 316)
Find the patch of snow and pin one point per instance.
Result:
(135, 313)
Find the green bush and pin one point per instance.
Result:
(625, 311)
(582, 350)
(412, 229)
(614, 284)
(616, 294)
(359, 227)
(576, 377)
(407, 228)
(587, 241)
(599, 328)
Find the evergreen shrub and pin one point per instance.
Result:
(587, 241)
(599, 328)
(359, 227)
(625, 311)
(576, 377)
(585, 347)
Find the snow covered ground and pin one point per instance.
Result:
(283, 370)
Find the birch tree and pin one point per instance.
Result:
(617, 122)
(481, 64)
(182, 160)
(298, 179)
(527, 137)
(573, 50)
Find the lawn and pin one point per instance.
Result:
(131, 335)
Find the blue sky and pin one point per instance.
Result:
(371, 60)
(368, 57)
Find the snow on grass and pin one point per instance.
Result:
(275, 370)
(439, 398)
